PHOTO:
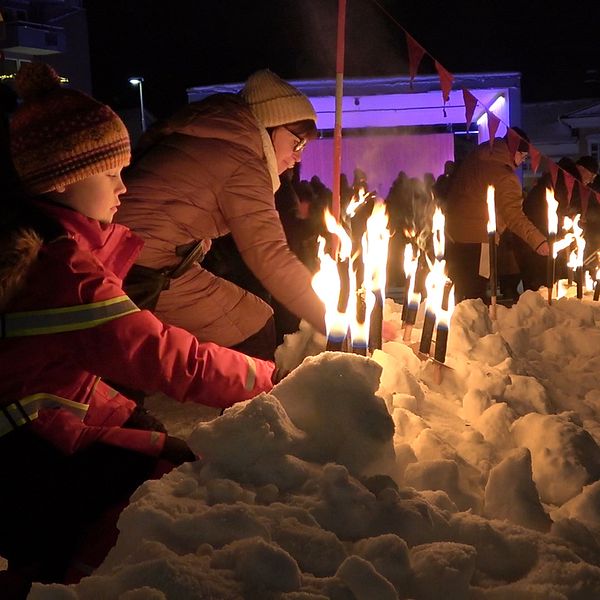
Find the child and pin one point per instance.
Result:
(69, 445)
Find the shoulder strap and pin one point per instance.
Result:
(189, 259)
(60, 320)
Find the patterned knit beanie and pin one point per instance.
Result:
(275, 102)
(60, 136)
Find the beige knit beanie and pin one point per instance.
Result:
(275, 102)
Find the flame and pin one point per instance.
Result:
(375, 250)
(589, 282)
(437, 281)
(411, 264)
(443, 315)
(437, 231)
(552, 212)
(326, 283)
(576, 257)
(491, 205)
(355, 202)
(345, 246)
(579, 240)
(375, 243)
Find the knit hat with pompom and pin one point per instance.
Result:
(60, 136)
(274, 101)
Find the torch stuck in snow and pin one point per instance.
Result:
(552, 231)
(491, 230)
(411, 298)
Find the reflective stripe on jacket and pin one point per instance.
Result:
(69, 318)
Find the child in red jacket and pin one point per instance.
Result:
(71, 446)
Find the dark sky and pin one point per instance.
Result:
(178, 44)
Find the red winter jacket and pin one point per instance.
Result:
(135, 349)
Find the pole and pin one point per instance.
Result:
(339, 95)
(142, 114)
(491, 229)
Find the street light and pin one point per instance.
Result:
(139, 81)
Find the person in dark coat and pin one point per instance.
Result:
(467, 212)
(531, 265)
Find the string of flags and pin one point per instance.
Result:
(416, 52)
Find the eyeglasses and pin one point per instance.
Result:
(301, 142)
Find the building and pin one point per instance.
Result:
(54, 31)
(391, 125)
(562, 128)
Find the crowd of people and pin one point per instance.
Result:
(178, 270)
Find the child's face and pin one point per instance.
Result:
(96, 196)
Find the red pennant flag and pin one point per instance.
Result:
(493, 124)
(584, 193)
(415, 54)
(536, 157)
(446, 79)
(470, 105)
(553, 168)
(513, 141)
(569, 183)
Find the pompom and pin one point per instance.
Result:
(36, 79)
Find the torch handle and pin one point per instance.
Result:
(376, 323)
(441, 342)
(579, 278)
(427, 333)
(550, 267)
(493, 265)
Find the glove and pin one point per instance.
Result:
(177, 451)
(140, 418)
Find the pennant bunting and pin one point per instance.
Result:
(446, 79)
(569, 183)
(470, 105)
(513, 141)
(415, 55)
(536, 157)
(493, 124)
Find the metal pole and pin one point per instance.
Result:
(339, 94)
(143, 116)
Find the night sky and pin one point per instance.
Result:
(179, 44)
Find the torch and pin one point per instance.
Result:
(375, 254)
(441, 333)
(579, 269)
(552, 231)
(412, 299)
(491, 231)
(435, 282)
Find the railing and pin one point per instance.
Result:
(34, 38)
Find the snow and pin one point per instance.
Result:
(363, 478)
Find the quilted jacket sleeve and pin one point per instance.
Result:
(248, 206)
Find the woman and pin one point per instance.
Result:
(212, 169)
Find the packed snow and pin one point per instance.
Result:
(367, 478)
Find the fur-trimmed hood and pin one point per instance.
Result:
(18, 251)
(113, 245)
